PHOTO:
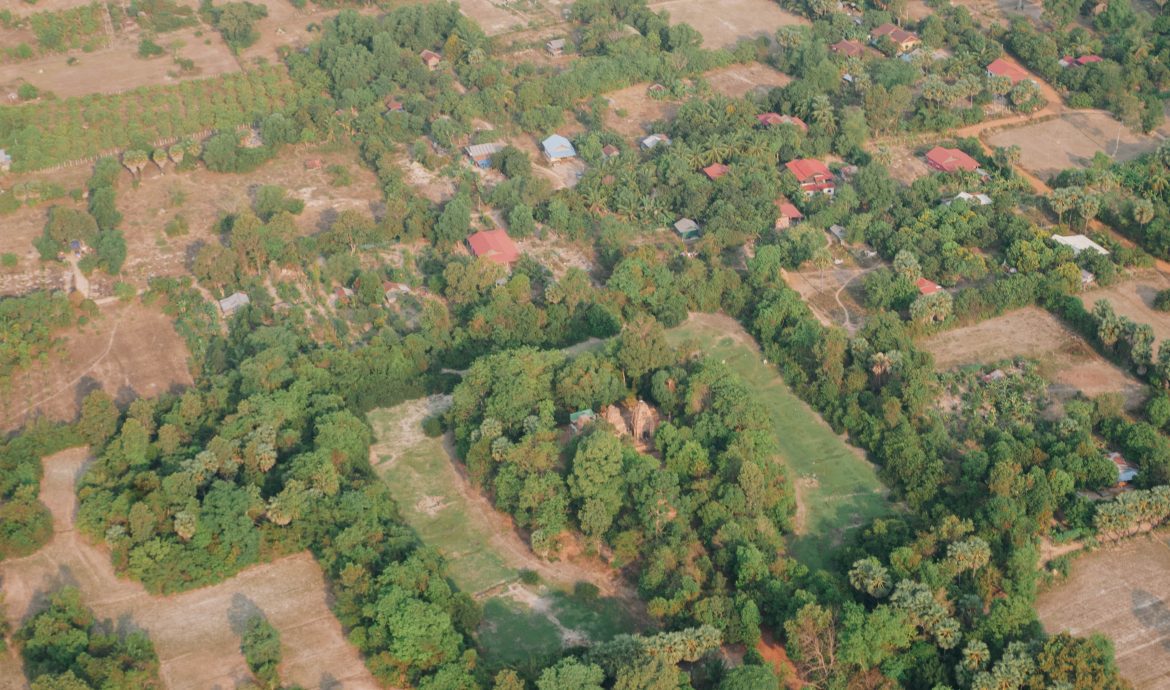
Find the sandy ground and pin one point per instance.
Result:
(201, 197)
(737, 81)
(1071, 140)
(21, 8)
(1122, 592)
(558, 255)
(905, 165)
(834, 295)
(492, 17)
(130, 351)
(641, 111)
(118, 68)
(1066, 360)
(196, 634)
(1135, 298)
(736, 20)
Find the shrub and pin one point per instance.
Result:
(148, 49)
(433, 426)
(585, 591)
(1162, 300)
(27, 92)
(529, 577)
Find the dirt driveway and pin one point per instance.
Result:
(196, 634)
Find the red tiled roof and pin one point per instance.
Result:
(494, 245)
(927, 287)
(1087, 59)
(847, 48)
(809, 170)
(896, 34)
(770, 119)
(1002, 67)
(788, 210)
(716, 170)
(950, 160)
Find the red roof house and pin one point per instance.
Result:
(927, 287)
(950, 160)
(716, 170)
(1087, 60)
(813, 176)
(788, 215)
(905, 40)
(494, 245)
(848, 48)
(1002, 67)
(772, 119)
(430, 58)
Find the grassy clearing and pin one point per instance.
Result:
(523, 624)
(836, 487)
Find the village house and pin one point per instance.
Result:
(555, 47)
(394, 106)
(313, 164)
(788, 215)
(1070, 61)
(971, 199)
(848, 48)
(1002, 67)
(481, 154)
(903, 39)
(5, 161)
(494, 245)
(656, 88)
(839, 233)
(927, 287)
(392, 291)
(715, 171)
(580, 419)
(948, 160)
(1079, 243)
(557, 148)
(609, 151)
(687, 229)
(232, 303)
(1126, 472)
(654, 140)
(773, 119)
(431, 59)
(814, 176)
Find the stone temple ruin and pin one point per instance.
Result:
(637, 419)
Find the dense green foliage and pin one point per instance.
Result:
(27, 328)
(25, 524)
(65, 647)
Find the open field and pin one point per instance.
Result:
(734, 21)
(485, 554)
(737, 81)
(118, 68)
(497, 17)
(1071, 140)
(1134, 298)
(1122, 592)
(202, 198)
(196, 634)
(836, 487)
(1067, 362)
(905, 165)
(640, 111)
(834, 295)
(130, 351)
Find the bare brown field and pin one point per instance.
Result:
(1066, 360)
(558, 255)
(1135, 298)
(737, 81)
(201, 197)
(196, 634)
(1121, 592)
(833, 295)
(905, 165)
(641, 111)
(118, 68)
(495, 19)
(20, 8)
(734, 21)
(130, 351)
(286, 25)
(1071, 140)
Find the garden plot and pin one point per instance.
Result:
(732, 21)
(1067, 362)
(1071, 141)
(1122, 592)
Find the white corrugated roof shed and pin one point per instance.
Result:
(1079, 243)
(481, 150)
(228, 305)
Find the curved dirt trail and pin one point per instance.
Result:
(196, 633)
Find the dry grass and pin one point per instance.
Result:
(733, 21)
(1121, 592)
(1066, 360)
(1135, 298)
(196, 634)
(753, 78)
(640, 111)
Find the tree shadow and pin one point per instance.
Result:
(1151, 611)
(85, 386)
(326, 220)
(328, 682)
(241, 611)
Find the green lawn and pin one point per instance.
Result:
(423, 480)
(838, 488)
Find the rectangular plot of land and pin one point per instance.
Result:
(1072, 140)
(1134, 298)
(1122, 592)
(727, 22)
(736, 81)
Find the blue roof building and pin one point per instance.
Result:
(558, 148)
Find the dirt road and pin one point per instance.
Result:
(197, 633)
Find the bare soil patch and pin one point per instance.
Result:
(558, 255)
(1121, 592)
(1071, 140)
(1135, 298)
(20, 8)
(118, 68)
(286, 25)
(737, 81)
(1066, 360)
(640, 111)
(834, 295)
(499, 17)
(130, 351)
(906, 165)
(732, 21)
(196, 634)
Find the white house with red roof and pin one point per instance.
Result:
(494, 245)
(1003, 67)
(949, 160)
(814, 176)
